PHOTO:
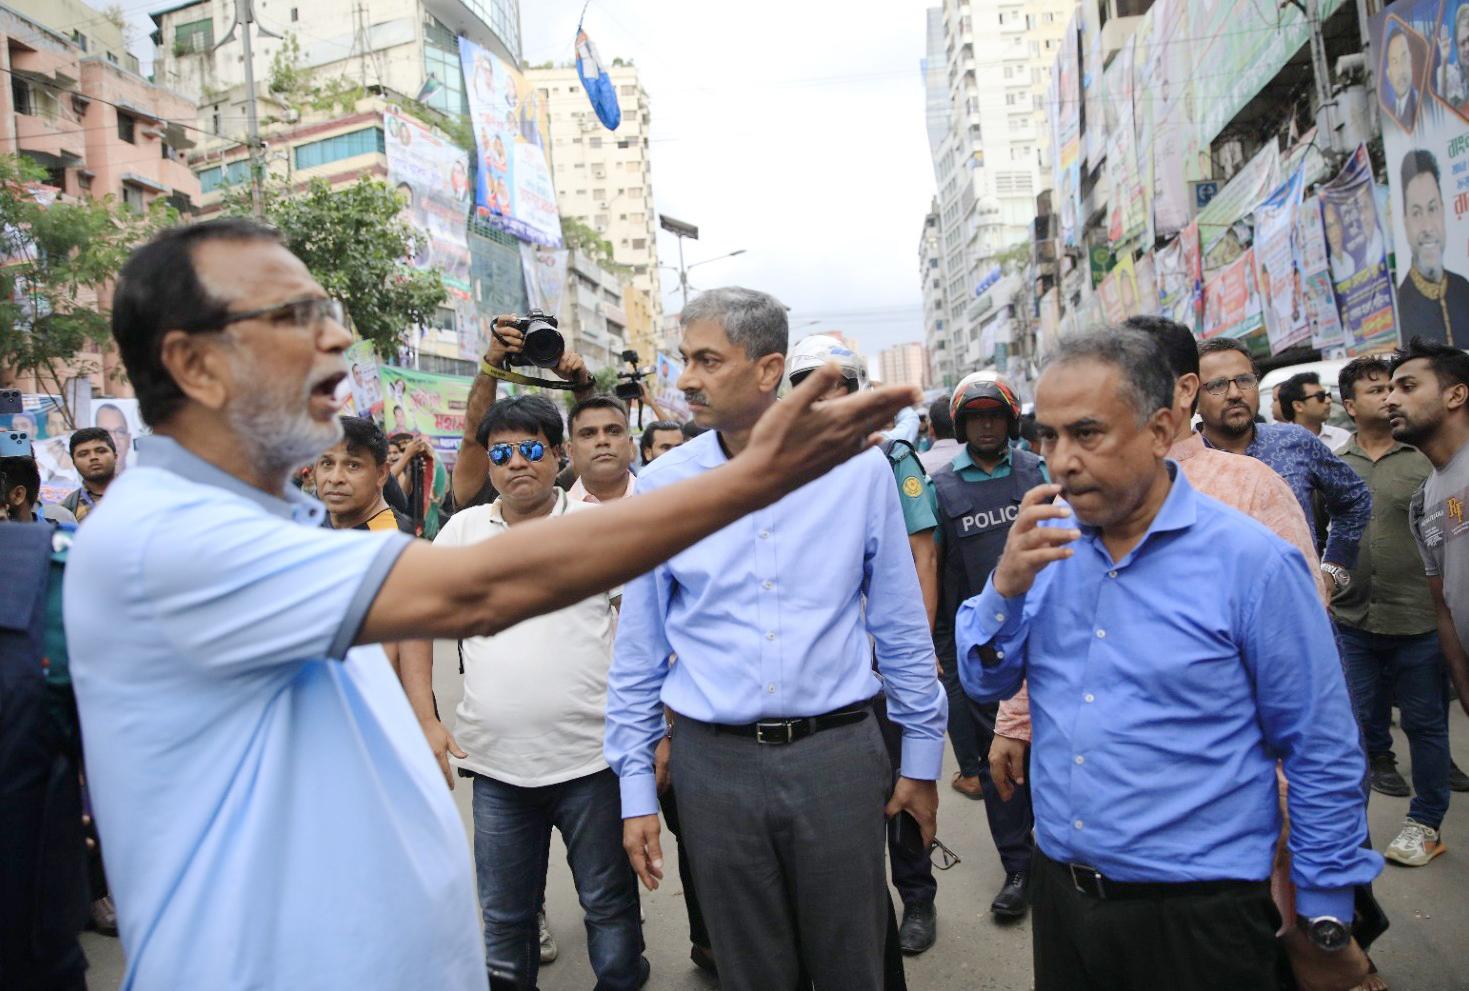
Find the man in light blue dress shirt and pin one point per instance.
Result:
(779, 765)
(272, 814)
(1175, 650)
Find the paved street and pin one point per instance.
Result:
(1424, 951)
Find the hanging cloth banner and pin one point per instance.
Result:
(598, 83)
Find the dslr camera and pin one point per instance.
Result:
(544, 344)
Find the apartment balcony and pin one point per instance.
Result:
(57, 142)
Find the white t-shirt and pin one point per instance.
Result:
(535, 695)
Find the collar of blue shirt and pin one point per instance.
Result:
(963, 460)
(167, 454)
(1180, 510)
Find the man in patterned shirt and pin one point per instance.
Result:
(1228, 403)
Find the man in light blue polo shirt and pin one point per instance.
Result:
(273, 816)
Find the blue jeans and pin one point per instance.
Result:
(512, 842)
(1413, 667)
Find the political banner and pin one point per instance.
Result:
(545, 277)
(1127, 219)
(1232, 301)
(1358, 256)
(1275, 265)
(666, 372)
(513, 189)
(1094, 133)
(417, 402)
(431, 174)
(1067, 150)
(1119, 291)
(1178, 268)
(1317, 293)
(1422, 73)
(366, 397)
(1170, 72)
(597, 81)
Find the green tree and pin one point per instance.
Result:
(355, 243)
(57, 265)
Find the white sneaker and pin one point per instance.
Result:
(1415, 846)
(549, 951)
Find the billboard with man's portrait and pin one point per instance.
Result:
(1427, 161)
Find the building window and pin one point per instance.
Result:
(367, 141)
(295, 14)
(194, 37)
(112, 58)
(594, 142)
(127, 128)
(639, 244)
(599, 194)
(132, 198)
(169, 151)
(222, 175)
(79, 39)
(20, 95)
(441, 63)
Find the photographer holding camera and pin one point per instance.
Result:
(509, 345)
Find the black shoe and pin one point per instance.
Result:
(1011, 902)
(1385, 777)
(919, 928)
(703, 958)
(645, 971)
(1458, 780)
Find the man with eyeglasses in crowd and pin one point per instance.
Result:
(1228, 404)
(250, 754)
(1305, 401)
(528, 730)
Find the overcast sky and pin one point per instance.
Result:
(793, 129)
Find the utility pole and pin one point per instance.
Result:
(681, 230)
(1321, 72)
(244, 19)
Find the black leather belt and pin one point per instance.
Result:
(779, 732)
(1092, 883)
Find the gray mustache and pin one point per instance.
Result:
(697, 398)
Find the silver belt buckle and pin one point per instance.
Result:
(777, 732)
(1092, 885)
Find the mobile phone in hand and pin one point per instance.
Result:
(908, 835)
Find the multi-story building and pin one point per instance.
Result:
(97, 128)
(986, 73)
(592, 317)
(603, 178)
(102, 33)
(405, 46)
(903, 364)
(941, 366)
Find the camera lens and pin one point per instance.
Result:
(544, 344)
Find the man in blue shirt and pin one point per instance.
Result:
(1160, 711)
(1228, 402)
(780, 769)
(272, 815)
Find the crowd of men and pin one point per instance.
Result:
(752, 628)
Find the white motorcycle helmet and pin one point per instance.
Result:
(810, 353)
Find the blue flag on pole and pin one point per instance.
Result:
(597, 82)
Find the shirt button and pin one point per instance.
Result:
(1080, 759)
(1079, 824)
(767, 585)
(1089, 697)
(1101, 634)
(1000, 654)
(1111, 574)
(770, 688)
(999, 617)
(764, 534)
(770, 636)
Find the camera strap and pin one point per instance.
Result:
(505, 375)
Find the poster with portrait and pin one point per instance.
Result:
(1317, 293)
(666, 371)
(431, 174)
(1357, 253)
(1275, 265)
(424, 403)
(1232, 300)
(362, 377)
(1422, 47)
(545, 276)
(1180, 278)
(513, 189)
(1066, 110)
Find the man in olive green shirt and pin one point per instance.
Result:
(1386, 620)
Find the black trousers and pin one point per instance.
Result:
(1223, 940)
(912, 873)
(698, 934)
(1010, 822)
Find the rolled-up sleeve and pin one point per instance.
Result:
(1307, 720)
(990, 631)
(896, 620)
(634, 686)
(1348, 502)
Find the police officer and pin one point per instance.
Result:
(912, 870)
(978, 496)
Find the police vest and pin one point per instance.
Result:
(975, 518)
